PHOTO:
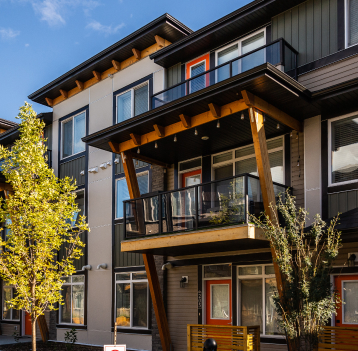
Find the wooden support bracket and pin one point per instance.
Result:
(136, 139)
(160, 41)
(80, 85)
(116, 65)
(215, 110)
(49, 102)
(137, 54)
(64, 93)
(159, 130)
(185, 120)
(97, 75)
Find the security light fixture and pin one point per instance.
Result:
(138, 151)
(82, 173)
(184, 280)
(156, 145)
(116, 160)
(291, 134)
(103, 165)
(278, 126)
(167, 265)
(93, 170)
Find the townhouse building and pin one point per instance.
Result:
(173, 137)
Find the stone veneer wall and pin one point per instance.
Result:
(297, 173)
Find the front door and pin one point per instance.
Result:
(218, 302)
(347, 288)
(28, 330)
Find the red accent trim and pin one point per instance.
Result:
(189, 174)
(194, 62)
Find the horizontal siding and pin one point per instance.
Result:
(342, 257)
(182, 304)
(311, 28)
(332, 74)
(273, 347)
(73, 169)
(170, 178)
(9, 329)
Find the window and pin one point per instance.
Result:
(257, 286)
(73, 294)
(131, 292)
(122, 193)
(350, 306)
(344, 149)
(80, 201)
(8, 313)
(132, 102)
(195, 68)
(351, 22)
(73, 130)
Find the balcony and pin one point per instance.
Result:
(278, 53)
(219, 209)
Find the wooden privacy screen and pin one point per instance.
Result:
(338, 339)
(226, 337)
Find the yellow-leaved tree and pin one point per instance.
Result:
(38, 211)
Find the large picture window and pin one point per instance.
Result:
(344, 149)
(73, 294)
(131, 292)
(351, 22)
(133, 102)
(8, 313)
(73, 130)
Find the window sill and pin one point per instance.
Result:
(132, 331)
(70, 326)
(9, 321)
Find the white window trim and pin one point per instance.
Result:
(3, 302)
(330, 184)
(84, 291)
(239, 43)
(131, 281)
(121, 178)
(346, 25)
(73, 132)
(345, 281)
(197, 64)
(132, 98)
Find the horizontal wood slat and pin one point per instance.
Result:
(338, 339)
(226, 337)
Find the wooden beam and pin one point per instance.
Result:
(49, 102)
(116, 65)
(215, 110)
(185, 120)
(272, 111)
(159, 130)
(6, 187)
(154, 286)
(64, 93)
(263, 167)
(137, 54)
(80, 85)
(136, 138)
(97, 75)
(160, 41)
(114, 147)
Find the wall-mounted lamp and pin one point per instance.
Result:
(184, 280)
(93, 170)
(102, 266)
(351, 259)
(167, 265)
(103, 165)
(87, 268)
(116, 160)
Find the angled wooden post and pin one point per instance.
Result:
(263, 166)
(154, 286)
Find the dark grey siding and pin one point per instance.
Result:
(342, 202)
(124, 259)
(73, 169)
(311, 28)
(82, 260)
(174, 75)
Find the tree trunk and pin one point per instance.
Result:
(33, 327)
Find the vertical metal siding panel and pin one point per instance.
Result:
(333, 19)
(302, 34)
(317, 29)
(309, 30)
(288, 28)
(274, 28)
(325, 28)
(351, 200)
(333, 209)
(342, 202)
(294, 35)
(329, 205)
(281, 26)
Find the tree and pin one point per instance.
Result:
(305, 257)
(38, 212)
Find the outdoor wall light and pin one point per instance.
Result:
(218, 125)
(351, 260)
(138, 151)
(110, 75)
(184, 280)
(175, 138)
(87, 268)
(102, 266)
(167, 265)
(278, 126)
(156, 145)
(116, 160)
(242, 115)
(103, 165)
(196, 132)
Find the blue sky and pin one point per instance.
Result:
(42, 39)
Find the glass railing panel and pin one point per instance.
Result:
(222, 203)
(169, 95)
(289, 58)
(254, 197)
(199, 83)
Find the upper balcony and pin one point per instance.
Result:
(201, 218)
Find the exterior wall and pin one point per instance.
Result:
(182, 304)
(341, 260)
(341, 202)
(297, 172)
(311, 28)
(272, 347)
(170, 178)
(99, 97)
(332, 74)
(10, 329)
(312, 166)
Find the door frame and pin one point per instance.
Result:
(180, 173)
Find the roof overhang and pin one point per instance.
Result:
(216, 34)
(265, 81)
(165, 26)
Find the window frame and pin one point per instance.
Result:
(73, 131)
(342, 307)
(84, 204)
(131, 281)
(3, 302)
(132, 89)
(346, 25)
(330, 184)
(84, 303)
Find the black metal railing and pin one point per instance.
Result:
(279, 52)
(218, 203)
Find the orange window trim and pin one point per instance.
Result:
(194, 62)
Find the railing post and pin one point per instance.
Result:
(296, 73)
(124, 220)
(230, 67)
(246, 198)
(187, 88)
(282, 53)
(196, 206)
(160, 223)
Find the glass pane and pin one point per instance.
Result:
(256, 58)
(197, 83)
(67, 138)
(123, 276)
(140, 309)
(192, 180)
(246, 166)
(223, 172)
(350, 297)
(123, 304)
(190, 164)
(79, 132)
(251, 270)
(80, 201)
(269, 270)
(124, 106)
(15, 314)
(141, 100)
(245, 151)
(143, 183)
(276, 164)
(139, 275)
(66, 279)
(270, 311)
(6, 312)
(217, 271)
(78, 279)
(122, 194)
(345, 150)
(251, 302)
(226, 55)
(78, 304)
(65, 310)
(220, 304)
(222, 157)
(353, 22)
